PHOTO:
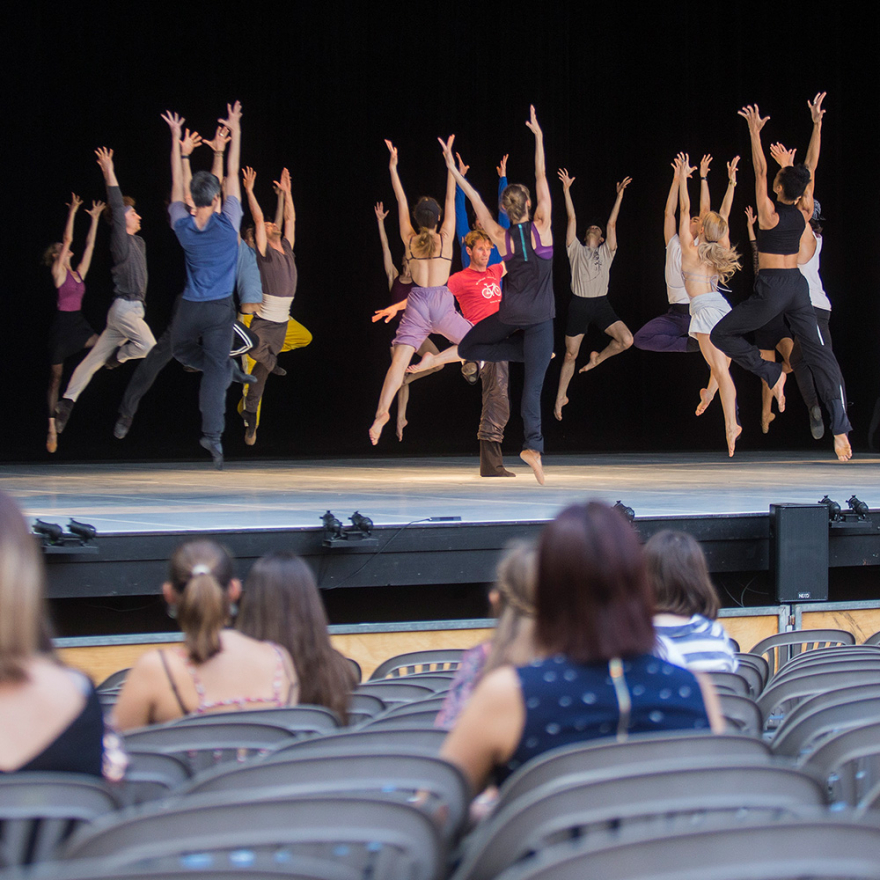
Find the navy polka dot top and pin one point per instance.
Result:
(568, 703)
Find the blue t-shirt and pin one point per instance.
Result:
(247, 276)
(211, 253)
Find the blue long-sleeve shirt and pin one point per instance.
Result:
(462, 228)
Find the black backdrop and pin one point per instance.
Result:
(619, 89)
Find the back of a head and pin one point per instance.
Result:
(679, 576)
(23, 626)
(514, 202)
(426, 214)
(593, 598)
(794, 180)
(200, 574)
(204, 188)
(723, 260)
(281, 604)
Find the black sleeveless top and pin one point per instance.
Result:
(785, 237)
(528, 285)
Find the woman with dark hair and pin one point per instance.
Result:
(281, 604)
(686, 602)
(216, 669)
(70, 332)
(596, 675)
(51, 717)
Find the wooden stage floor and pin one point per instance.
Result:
(125, 498)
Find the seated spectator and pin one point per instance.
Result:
(216, 669)
(50, 717)
(513, 603)
(281, 604)
(596, 675)
(686, 603)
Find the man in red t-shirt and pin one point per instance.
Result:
(478, 291)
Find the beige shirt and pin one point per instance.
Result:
(590, 268)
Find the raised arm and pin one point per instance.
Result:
(188, 143)
(59, 273)
(178, 188)
(279, 204)
(233, 156)
(461, 220)
(249, 176)
(542, 188)
(95, 213)
(705, 199)
(753, 241)
(119, 242)
(218, 148)
(669, 211)
(289, 210)
(571, 225)
(683, 172)
(767, 216)
(503, 219)
(447, 228)
(487, 221)
(611, 230)
(406, 227)
(727, 201)
(390, 269)
(812, 157)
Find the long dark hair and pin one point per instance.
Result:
(281, 604)
(678, 572)
(593, 598)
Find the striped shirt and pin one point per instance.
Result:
(703, 643)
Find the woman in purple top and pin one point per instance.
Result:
(70, 332)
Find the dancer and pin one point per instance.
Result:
(70, 332)
(429, 305)
(462, 227)
(399, 284)
(781, 288)
(705, 262)
(590, 268)
(527, 304)
(202, 326)
(278, 277)
(808, 265)
(126, 335)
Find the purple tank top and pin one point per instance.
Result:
(70, 294)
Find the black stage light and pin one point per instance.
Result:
(332, 526)
(859, 508)
(82, 530)
(363, 523)
(49, 531)
(628, 512)
(833, 508)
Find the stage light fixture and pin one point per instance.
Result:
(50, 532)
(332, 526)
(79, 537)
(833, 509)
(362, 523)
(628, 512)
(859, 508)
(82, 530)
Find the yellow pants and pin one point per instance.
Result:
(297, 336)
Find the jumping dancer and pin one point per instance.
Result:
(126, 335)
(430, 307)
(590, 268)
(462, 227)
(70, 332)
(706, 262)
(781, 287)
(522, 328)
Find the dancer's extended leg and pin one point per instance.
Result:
(572, 347)
(720, 366)
(400, 359)
(707, 394)
(432, 361)
(621, 340)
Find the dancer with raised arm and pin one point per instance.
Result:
(399, 284)
(522, 328)
(430, 307)
(70, 332)
(202, 326)
(781, 288)
(705, 262)
(590, 268)
(462, 227)
(126, 335)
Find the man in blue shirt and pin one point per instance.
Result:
(202, 326)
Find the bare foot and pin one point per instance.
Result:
(732, 437)
(52, 438)
(376, 428)
(766, 418)
(594, 362)
(705, 399)
(426, 363)
(776, 391)
(842, 448)
(401, 424)
(533, 460)
(557, 410)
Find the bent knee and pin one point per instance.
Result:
(626, 340)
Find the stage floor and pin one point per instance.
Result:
(162, 497)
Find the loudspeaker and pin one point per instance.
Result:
(799, 552)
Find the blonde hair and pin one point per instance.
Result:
(513, 642)
(724, 260)
(23, 630)
(514, 202)
(200, 574)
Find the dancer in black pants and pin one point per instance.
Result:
(527, 303)
(781, 288)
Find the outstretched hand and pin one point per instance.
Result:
(782, 156)
(384, 314)
(248, 176)
(190, 141)
(284, 183)
(97, 209)
(392, 161)
(220, 140)
(623, 184)
(447, 150)
(750, 216)
(502, 168)
(683, 164)
(732, 165)
(175, 122)
(233, 117)
(816, 111)
(462, 168)
(532, 122)
(105, 159)
(752, 116)
(705, 162)
(75, 203)
(566, 178)
(381, 213)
